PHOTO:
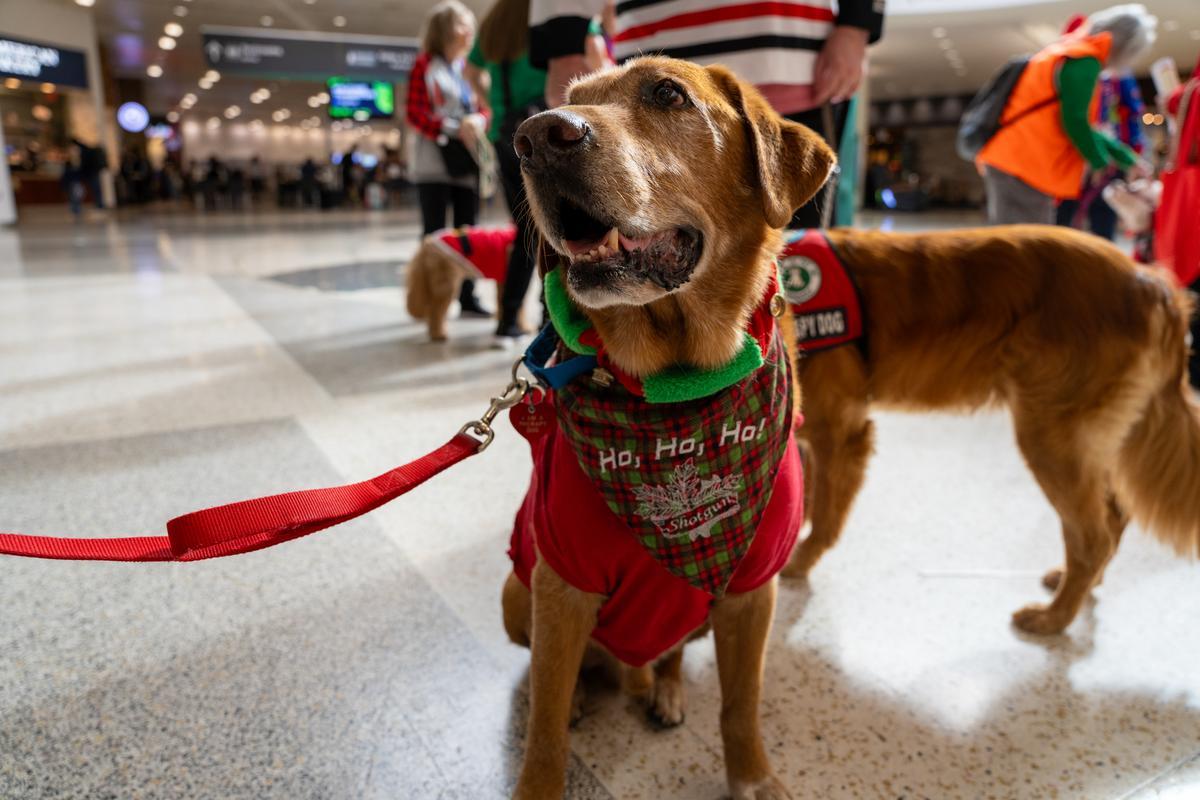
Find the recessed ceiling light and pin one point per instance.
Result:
(85, 3)
(310, 2)
(313, 102)
(48, 88)
(154, 71)
(166, 43)
(232, 111)
(267, 21)
(12, 83)
(214, 123)
(205, 84)
(173, 29)
(339, 21)
(181, 11)
(213, 75)
(172, 116)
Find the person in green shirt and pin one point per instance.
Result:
(498, 68)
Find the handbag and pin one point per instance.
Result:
(1176, 244)
(457, 158)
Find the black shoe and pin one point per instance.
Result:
(512, 330)
(471, 307)
(508, 337)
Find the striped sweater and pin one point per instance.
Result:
(771, 43)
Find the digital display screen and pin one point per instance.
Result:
(361, 100)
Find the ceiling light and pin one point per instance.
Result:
(339, 21)
(188, 98)
(232, 111)
(323, 97)
(12, 83)
(1159, 119)
(267, 21)
(214, 123)
(154, 71)
(172, 116)
(166, 43)
(213, 75)
(48, 88)
(85, 3)
(939, 33)
(173, 29)
(180, 11)
(313, 102)
(310, 2)
(205, 84)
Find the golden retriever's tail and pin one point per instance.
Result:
(416, 286)
(1159, 468)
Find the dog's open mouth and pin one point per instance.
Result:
(600, 255)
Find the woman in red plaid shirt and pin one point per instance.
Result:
(443, 111)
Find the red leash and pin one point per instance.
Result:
(267, 521)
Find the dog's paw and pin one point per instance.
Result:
(1039, 619)
(1052, 579)
(768, 789)
(666, 708)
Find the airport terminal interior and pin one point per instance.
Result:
(206, 225)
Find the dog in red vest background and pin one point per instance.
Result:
(444, 260)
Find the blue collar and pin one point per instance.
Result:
(542, 349)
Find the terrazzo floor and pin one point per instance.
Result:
(155, 363)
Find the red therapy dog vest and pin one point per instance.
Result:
(481, 251)
(662, 507)
(822, 294)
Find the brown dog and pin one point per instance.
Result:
(667, 263)
(444, 260)
(1085, 348)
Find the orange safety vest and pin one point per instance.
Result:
(1035, 147)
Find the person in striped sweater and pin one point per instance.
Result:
(800, 55)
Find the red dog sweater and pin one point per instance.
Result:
(481, 251)
(661, 507)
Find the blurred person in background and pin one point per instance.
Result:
(92, 161)
(1046, 141)
(350, 188)
(258, 181)
(801, 56)
(446, 115)
(1120, 118)
(499, 69)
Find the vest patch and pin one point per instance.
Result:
(823, 296)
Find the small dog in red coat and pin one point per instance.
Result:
(444, 260)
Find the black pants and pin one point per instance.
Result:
(523, 258)
(1101, 218)
(809, 214)
(434, 198)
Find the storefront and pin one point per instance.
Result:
(51, 104)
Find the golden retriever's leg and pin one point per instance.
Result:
(563, 619)
(838, 438)
(1078, 489)
(443, 292)
(740, 626)
(516, 603)
(1117, 522)
(667, 707)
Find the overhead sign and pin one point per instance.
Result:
(45, 63)
(301, 54)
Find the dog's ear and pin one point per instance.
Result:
(790, 162)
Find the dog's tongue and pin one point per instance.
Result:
(631, 245)
(578, 247)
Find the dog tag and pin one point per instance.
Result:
(533, 419)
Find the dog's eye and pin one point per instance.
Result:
(668, 94)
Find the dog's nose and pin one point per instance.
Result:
(550, 137)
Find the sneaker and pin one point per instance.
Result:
(471, 307)
(507, 337)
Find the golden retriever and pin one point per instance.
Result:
(667, 263)
(1086, 349)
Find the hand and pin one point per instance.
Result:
(471, 129)
(1140, 169)
(839, 67)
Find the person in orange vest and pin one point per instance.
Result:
(1046, 141)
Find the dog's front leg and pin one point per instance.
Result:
(740, 626)
(563, 619)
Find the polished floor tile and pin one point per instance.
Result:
(151, 364)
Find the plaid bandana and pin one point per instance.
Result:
(692, 479)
